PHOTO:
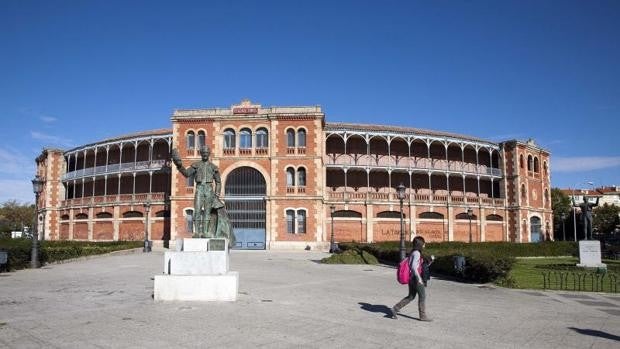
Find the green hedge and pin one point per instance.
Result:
(484, 261)
(53, 251)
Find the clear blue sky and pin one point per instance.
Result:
(73, 72)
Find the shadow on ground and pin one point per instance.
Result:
(595, 333)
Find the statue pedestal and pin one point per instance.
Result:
(590, 254)
(197, 271)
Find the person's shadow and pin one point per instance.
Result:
(380, 308)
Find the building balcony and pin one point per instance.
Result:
(407, 163)
(417, 197)
(115, 168)
(114, 199)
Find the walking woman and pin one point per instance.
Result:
(416, 283)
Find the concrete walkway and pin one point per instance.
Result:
(287, 300)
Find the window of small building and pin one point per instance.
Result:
(229, 139)
(521, 161)
(290, 177)
(430, 215)
(347, 214)
(104, 215)
(463, 215)
(191, 139)
(389, 214)
(64, 217)
(245, 138)
(81, 216)
(530, 163)
(301, 138)
(290, 221)
(301, 177)
(189, 181)
(523, 192)
(189, 220)
(301, 221)
(290, 138)
(536, 166)
(262, 138)
(132, 214)
(162, 214)
(201, 139)
(494, 218)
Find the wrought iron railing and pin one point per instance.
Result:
(580, 281)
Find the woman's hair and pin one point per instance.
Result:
(418, 243)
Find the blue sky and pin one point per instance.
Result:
(73, 72)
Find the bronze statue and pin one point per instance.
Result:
(586, 214)
(210, 217)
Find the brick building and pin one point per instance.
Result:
(288, 177)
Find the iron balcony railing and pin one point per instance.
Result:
(115, 168)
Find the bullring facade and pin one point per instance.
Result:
(288, 177)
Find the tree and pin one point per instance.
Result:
(560, 203)
(605, 218)
(13, 215)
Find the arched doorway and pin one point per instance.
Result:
(245, 191)
(535, 229)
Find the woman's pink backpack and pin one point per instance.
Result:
(403, 273)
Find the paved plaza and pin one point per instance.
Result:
(287, 300)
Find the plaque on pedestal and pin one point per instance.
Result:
(590, 254)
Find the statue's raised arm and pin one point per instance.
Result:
(176, 159)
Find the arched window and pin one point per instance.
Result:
(290, 138)
(389, 214)
(523, 192)
(190, 139)
(463, 215)
(495, 218)
(431, 215)
(262, 138)
(545, 167)
(535, 229)
(189, 181)
(81, 216)
(536, 168)
(301, 221)
(245, 138)
(162, 214)
(290, 221)
(290, 177)
(132, 214)
(229, 139)
(189, 220)
(104, 215)
(347, 214)
(301, 177)
(301, 138)
(64, 217)
(521, 161)
(201, 139)
(546, 196)
(530, 163)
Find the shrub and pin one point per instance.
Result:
(52, 251)
(351, 256)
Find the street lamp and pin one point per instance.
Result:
(470, 214)
(147, 243)
(332, 245)
(37, 188)
(563, 216)
(401, 197)
(574, 215)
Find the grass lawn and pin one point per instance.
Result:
(528, 273)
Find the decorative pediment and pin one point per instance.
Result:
(245, 107)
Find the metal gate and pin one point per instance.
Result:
(245, 202)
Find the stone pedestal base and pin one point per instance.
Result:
(590, 254)
(197, 287)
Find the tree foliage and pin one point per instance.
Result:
(605, 218)
(560, 203)
(14, 215)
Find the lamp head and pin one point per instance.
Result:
(401, 191)
(37, 184)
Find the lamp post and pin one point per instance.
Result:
(585, 225)
(401, 197)
(332, 245)
(37, 188)
(147, 245)
(470, 214)
(563, 216)
(574, 215)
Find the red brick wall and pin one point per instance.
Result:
(461, 231)
(432, 231)
(494, 232)
(80, 231)
(64, 231)
(131, 230)
(103, 231)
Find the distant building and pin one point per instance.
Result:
(283, 168)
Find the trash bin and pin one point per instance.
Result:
(148, 244)
(459, 264)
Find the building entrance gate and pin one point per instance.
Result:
(245, 193)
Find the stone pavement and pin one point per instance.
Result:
(287, 300)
